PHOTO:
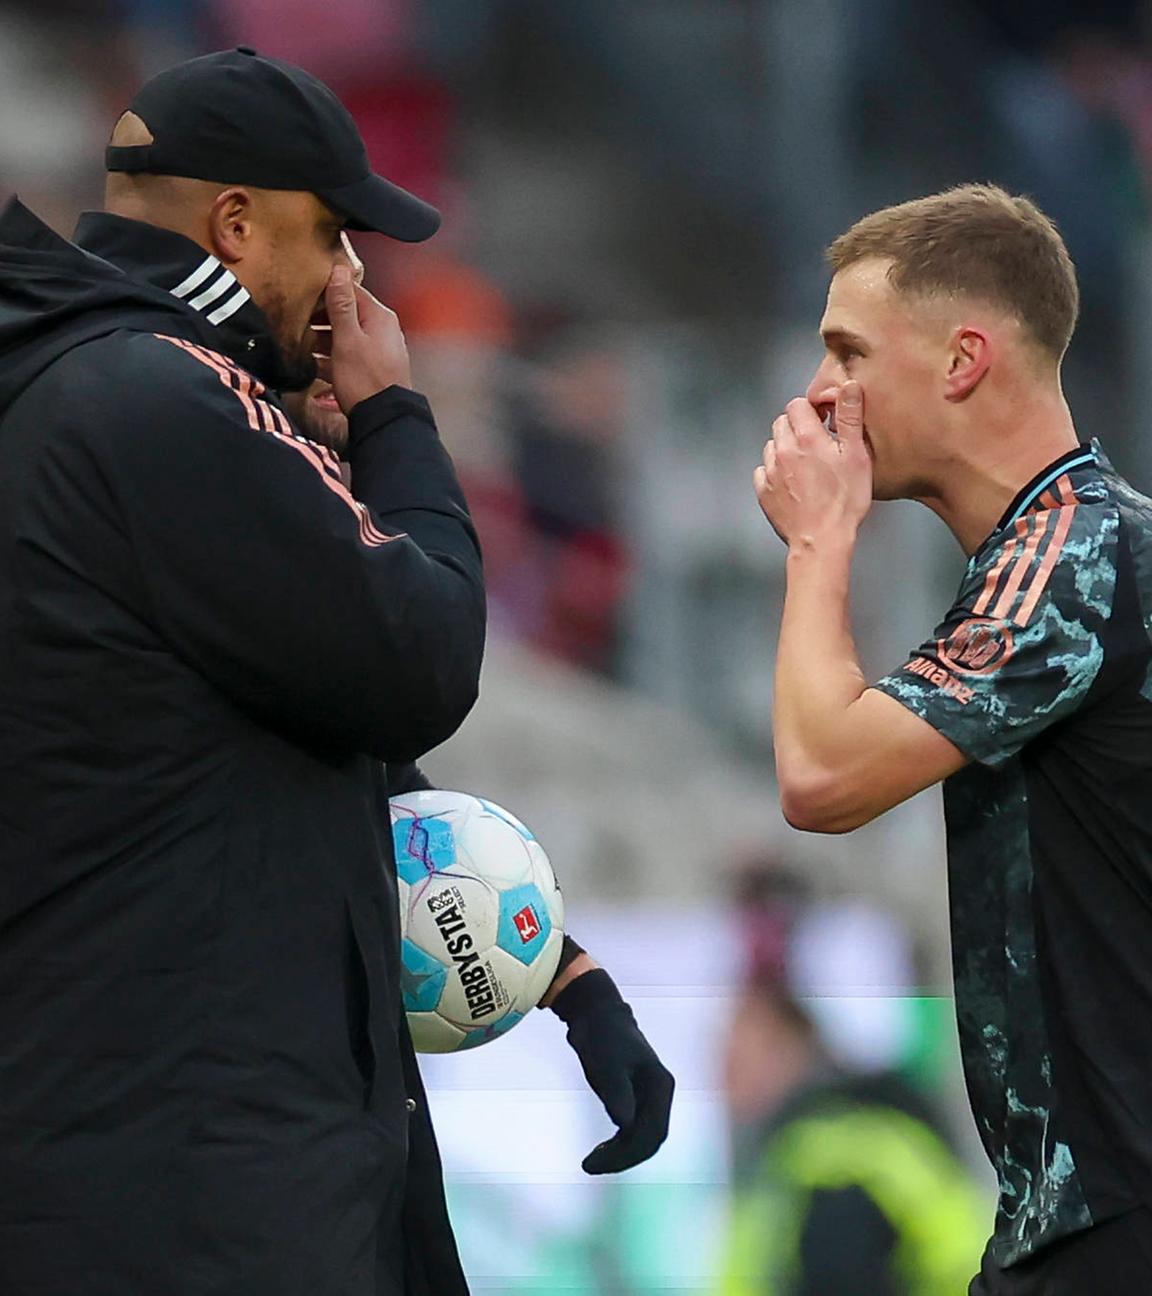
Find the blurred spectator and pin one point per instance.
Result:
(51, 97)
(843, 1183)
(568, 420)
(351, 40)
(1067, 86)
(459, 326)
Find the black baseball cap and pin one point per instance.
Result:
(236, 117)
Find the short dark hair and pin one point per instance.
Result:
(976, 241)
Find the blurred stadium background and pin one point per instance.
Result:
(626, 291)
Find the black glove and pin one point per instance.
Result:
(621, 1068)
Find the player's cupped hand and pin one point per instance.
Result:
(816, 481)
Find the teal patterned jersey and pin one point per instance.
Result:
(1039, 673)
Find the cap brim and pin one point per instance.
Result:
(377, 204)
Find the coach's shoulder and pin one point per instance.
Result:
(100, 367)
(155, 359)
(128, 379)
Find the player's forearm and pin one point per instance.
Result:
(818, 679)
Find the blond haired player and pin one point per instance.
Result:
(1031, 700)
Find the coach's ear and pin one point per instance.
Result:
(230, 225)
(969, 358)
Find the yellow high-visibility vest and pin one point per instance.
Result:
(940, 1219)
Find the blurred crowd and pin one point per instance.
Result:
(610, 172)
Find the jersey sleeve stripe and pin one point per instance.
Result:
(1044, 571)
(992, 580)
(1059, 493)
(1038, 526)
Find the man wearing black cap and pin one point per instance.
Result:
(208, 649)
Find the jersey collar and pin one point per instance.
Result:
(226, 318)
(1084, 456)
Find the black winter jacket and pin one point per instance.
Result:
(208, 649)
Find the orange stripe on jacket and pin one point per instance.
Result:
(1040, 522)
(1044, 571)
(318, 456)
(220, 367)
(248, 391)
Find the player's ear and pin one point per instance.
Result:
(969, 358)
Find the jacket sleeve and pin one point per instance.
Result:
(352, 624)
(407, 778)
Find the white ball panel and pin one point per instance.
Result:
(496, 851)
(433, 803)
(476, 992)
(513, 975)
(447, 908)
(432, 1034)
(403, 891)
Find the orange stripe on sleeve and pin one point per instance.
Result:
(1044, 571)
(993, 577)
(1020, 570)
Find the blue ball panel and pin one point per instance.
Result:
(422, 979)
(482, 1034)
(423, 846)
(525, 924)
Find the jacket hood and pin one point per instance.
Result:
(54, 295)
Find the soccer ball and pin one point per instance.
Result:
(481, 918)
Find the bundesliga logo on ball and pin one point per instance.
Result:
(481, 918)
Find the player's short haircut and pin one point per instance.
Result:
(975, 241)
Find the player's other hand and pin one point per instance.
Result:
(621, 1068)
(816, 480)
(368, 351)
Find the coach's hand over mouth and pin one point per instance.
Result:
(814, 481)
(621, 1068)
(368, 351)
